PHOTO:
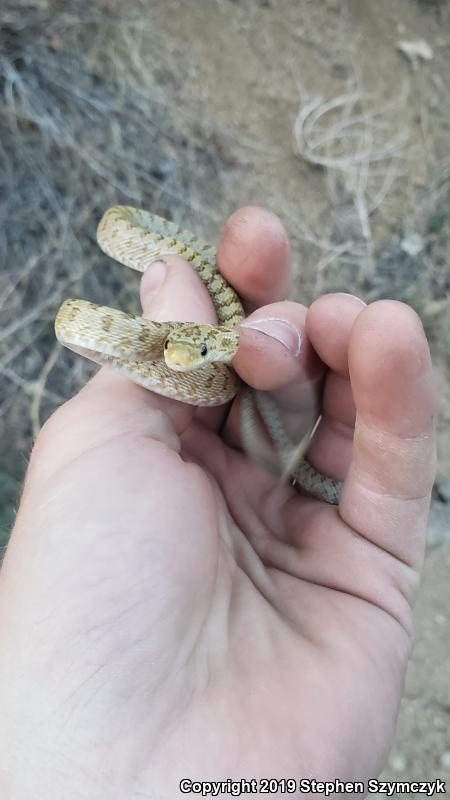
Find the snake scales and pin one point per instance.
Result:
(183, 361)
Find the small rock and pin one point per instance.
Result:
(445, 760)
(397, 762)
(413, 244)
(415, 51)
(443, 490)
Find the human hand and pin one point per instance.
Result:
(167, 612)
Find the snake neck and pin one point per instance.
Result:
(227, 304)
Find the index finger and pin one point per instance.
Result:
(255, 257)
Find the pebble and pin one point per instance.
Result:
(415, 51)
(397, 762)
(445, 760)
(413, 244)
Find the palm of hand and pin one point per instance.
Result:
(243, 617)
(291, 640)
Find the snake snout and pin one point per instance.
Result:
(179, 359)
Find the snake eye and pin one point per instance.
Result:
(166, 344)
(203, 350)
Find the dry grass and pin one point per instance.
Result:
(362, 149)
(82, 125)
(354, 141)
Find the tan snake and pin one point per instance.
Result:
(183, 361)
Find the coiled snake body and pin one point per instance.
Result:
(183, 361)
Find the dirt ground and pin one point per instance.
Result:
(195, 108)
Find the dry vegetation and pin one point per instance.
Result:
(83, 124)
(78, 128)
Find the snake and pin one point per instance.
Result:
(185, 361)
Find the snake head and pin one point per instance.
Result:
(193, 346)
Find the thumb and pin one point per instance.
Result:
(170, 290)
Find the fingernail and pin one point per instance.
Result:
(283, 332)
(353, 296)
(155, 275)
